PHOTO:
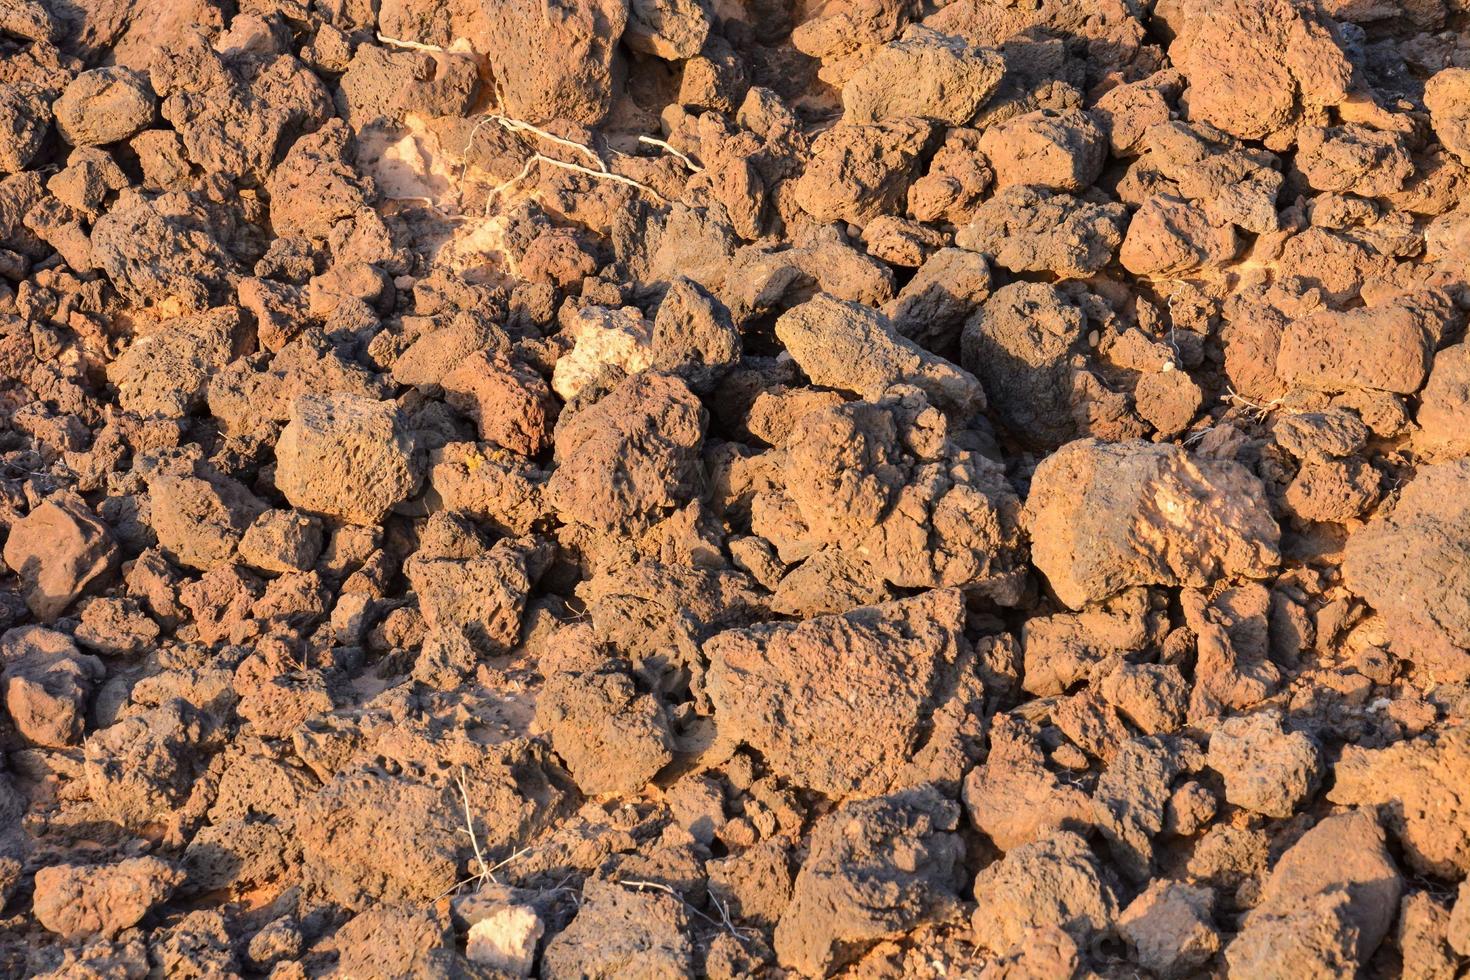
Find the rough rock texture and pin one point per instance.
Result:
(1051, 882)
(851, 347)
(48, 685)
(1327, 903)
(619, 929)
(80, 901)
(105, 105)
(1410, 565)
(1266, 770)
(1104, 517)
(924, 73)
(854, 889)
(59, 550)
(346, 457)
(770, 686)
(1241, 79)
(1419, 785)
(599, 488)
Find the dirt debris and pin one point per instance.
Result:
(885, 488)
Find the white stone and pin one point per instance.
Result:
(506, 940)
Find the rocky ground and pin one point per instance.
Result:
(648, 488)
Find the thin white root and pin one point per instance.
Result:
(1257, 410)
(601, 172)
(521, 126)
(575, 168)
(722, 922)
(651, 141)
(416, 46)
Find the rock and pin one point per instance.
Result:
(851, 347)
(937, 76)
(602, 338)
(505, 939)
(201, 520)
(1106, 516)
(1052, 882)
(48, 685)
(234, 110)
(1170, 236)
(612, 738)
(346, 457)
(1170, 929)
(956, 183)
(618, 929)
(156, 249)
(1241, 78)
(1062, 151)
(693, 336)
(28, 19)
(857, 172)
(407, 940)
(855, 889)
(116, 626)
(482, 593)
(1423, 930)
(1385, 348)
(883, 483)
(1418, 785)
(1410, 565)
(166, 372)
(510, 404)
(1013, 798)
(139, 770)
(630, 458)
(25, 119)
(553, 63)
(772, 688)
(669, 29)
(1131, 800)
(1444, 402)
(281, 541)
(1353, 159)
(933, 306)
(1326, 906)
(1021, 344)
(78, 900)
(60, 551)
(1031, 229)
(1266, 769)
(1447, 97)
(104, 105)
(342, 828)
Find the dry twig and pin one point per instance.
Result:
(723, 922)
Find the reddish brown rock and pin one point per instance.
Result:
(1103, 517)
(60, 550)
